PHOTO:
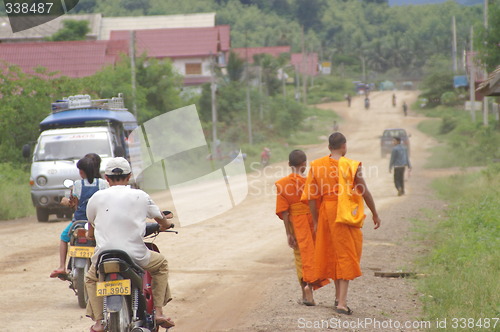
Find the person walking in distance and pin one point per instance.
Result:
(399, 161)
(405, 108)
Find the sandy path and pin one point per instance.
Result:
(235, 272)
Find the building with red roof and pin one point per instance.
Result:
(305, 64)
(65, 58)
(190, 49)
(247, 53)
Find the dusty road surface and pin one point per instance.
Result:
(235, 272)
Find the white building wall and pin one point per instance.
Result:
(180, 65)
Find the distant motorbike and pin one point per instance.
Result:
(367, 103)
(127, 291)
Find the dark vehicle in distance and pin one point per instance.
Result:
(386, 144)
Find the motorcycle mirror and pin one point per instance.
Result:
(68, 183)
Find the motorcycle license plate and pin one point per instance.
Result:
(115, 287)
(83, 252)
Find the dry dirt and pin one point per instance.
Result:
(235, 272)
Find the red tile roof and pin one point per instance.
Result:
(305, 65)
(248, 52)
(176, 43)
(68, 58)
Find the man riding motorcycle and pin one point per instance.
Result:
(117, 218)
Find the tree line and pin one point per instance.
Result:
(343, 31)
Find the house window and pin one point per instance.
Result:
(193, 68)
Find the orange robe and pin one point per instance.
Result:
(289, 192)
(338, 246)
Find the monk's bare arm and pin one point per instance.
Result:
(292, 242)
(367, 196)
(314, 213)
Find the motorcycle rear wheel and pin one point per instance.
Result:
(120, 321)
(81, 291)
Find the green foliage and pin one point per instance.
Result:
(450, 98)
(447, 125)
(438, 79)
(462, 264)
(487, 39)
(157, 86)
(235, 67)
(464, 143)
(14, 192)
(72, 30)
(269, 66)
(329, 88)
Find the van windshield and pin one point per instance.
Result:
(72, 146)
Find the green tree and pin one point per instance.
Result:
(72, 30)
(438, 79)
(487, 40)
(235, 67)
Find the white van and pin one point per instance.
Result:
(77, 126)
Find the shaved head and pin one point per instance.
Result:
(297, 157)
(336, 140)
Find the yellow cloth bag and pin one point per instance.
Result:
(350, 208)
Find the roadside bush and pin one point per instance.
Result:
(447, 125)
(15, 196)
(449, 98)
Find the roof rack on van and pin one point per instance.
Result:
(85, 101)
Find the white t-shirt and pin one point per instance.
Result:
(118, 215)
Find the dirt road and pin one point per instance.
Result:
(235, 272)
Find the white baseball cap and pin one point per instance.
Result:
(117, 166)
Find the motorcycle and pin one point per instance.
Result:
(367, 103)
(80, 250)
(126, 288)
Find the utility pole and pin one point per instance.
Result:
(132, 71)
(213, 88)
(247, 78)
(261, 111)
(454, 45)
(485, 99)
(472, 79)
(364, 68)
(304, 70)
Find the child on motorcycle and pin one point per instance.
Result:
(82, 190)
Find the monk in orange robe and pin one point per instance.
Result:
(298, 224)
(338, 245)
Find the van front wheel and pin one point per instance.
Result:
(42, 214)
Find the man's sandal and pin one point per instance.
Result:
(344, 311)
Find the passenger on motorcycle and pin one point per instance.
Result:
(117, 218)
(81, 193)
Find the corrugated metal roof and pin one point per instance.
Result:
(307, 64)
(71, 58)
(247, 53)
(48, 29)
(155, 22)
(177, 43)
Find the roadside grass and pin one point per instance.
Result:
(463, 264)
(15, 198)
(462, 142)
